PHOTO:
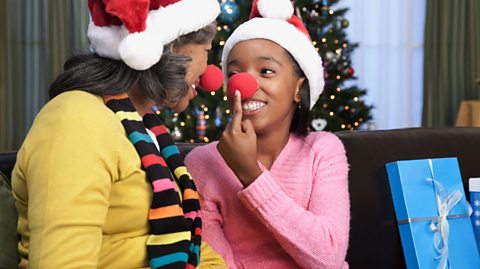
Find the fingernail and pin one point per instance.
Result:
(237, 92)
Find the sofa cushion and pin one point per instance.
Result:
(8, 225)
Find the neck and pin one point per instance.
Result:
(270, 145)
(141, 103)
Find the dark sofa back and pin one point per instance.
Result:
(374, 238)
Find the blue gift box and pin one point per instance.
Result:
(420, 190)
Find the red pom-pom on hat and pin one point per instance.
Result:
(135, 31)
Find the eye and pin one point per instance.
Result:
(231, 73)
(267, 71)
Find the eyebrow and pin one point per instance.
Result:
(260, 58)
(268, 58)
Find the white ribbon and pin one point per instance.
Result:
(439, 225)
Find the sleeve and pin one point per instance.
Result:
(213, 233)
(69, 176)
(212, 220)
(322, 239)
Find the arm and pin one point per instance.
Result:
(212, 222)
(199, 164)
(68, 181)
(316, 237)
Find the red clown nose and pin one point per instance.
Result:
(244, 82)
(212, 79)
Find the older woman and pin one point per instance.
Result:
(99, 182)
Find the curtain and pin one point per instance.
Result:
(36, 37)
(452, 58)
(389, 59)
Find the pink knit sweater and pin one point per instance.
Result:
(295, 215)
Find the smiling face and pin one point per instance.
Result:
(272, 107)
(198, 54)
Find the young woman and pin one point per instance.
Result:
(98, 181)
(273, 194)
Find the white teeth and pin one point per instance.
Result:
(252, 106)
(193, 86)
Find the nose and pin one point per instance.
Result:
(245, 83)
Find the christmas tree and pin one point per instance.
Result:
(340, 106)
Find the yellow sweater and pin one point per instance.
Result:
(81, 195)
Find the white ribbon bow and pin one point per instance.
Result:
(439, 225)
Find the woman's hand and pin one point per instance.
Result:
(238, 145)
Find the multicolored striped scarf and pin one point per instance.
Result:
(175, 223)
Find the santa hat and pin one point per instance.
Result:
(135, 31)
(274, 20)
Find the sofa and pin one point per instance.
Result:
(374, 237)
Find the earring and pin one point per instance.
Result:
(299, 105)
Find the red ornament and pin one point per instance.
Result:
(350, 72)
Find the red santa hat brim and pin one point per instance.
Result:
(141, 50)
(291, 39)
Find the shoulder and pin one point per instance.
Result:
(74, 119)
(78, 105)
(201, 156)
(324, 142)
(205, 164)
(82, 111)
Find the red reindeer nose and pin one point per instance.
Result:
(244, 82)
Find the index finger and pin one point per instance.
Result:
(237, 111)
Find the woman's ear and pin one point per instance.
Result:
(298, 90)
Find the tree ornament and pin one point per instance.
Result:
(324, 7)
(332, 56)
(177, 134)
(230, 12)
(345, 23)
(349, 72)
(319, 124)
(218, 117)
(201, 125)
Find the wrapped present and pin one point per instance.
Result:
(433, 214)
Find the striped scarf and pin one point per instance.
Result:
(175, 224)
